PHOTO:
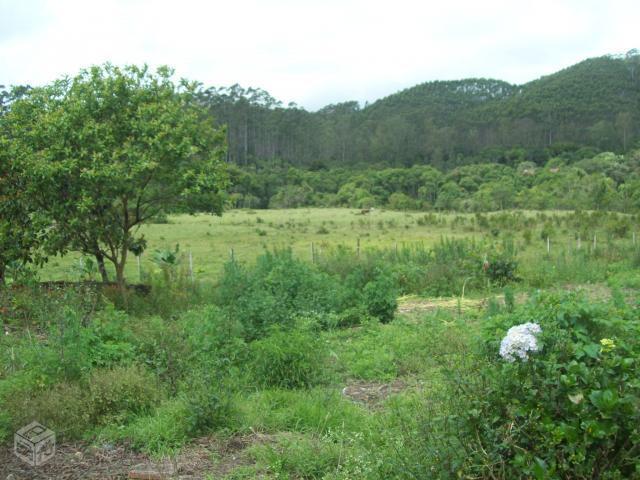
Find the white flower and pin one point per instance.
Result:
(520, 340)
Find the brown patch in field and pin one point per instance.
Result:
(220, 456)
(208, 456)
(595, 291)
(372, 394)
(73, 461)
(412, 304)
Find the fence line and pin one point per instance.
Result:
(316, 251)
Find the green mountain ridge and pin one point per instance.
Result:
(594, 103)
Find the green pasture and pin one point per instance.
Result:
(212, 240)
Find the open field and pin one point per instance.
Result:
(248, 233)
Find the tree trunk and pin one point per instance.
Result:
(2, 268)
(101, 268)
(120, 268)
(120, 274)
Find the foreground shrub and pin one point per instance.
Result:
(277, 290)
(299, 456)
(313, 410)
(288, 359)
(502, 270)
(117, 395)
(380, 297)
(64, 408)
(161, 432)
(570, 410)
(208, 397)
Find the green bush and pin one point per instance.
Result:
(208, 398)
(117, 395)
(210, 339)
(276, 290)
(161, 432)
(380, 297)
(313, 410)
(161, 348)
(502, 270)
(63, 407)
(571, 410)
(288, 359)
(299, 456)
(400, 201)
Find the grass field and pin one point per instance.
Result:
(248, 233)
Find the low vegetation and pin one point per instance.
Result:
(317, 357)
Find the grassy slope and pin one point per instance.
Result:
(249, 232)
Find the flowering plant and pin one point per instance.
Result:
(570, 413)
(519, 341)
(607, 345)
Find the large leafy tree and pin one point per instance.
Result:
(107, 150)
(22, 228)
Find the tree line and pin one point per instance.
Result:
(571, 179)
(444, 124)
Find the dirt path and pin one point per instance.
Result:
(414, 304)
(208, 456)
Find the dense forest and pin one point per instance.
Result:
(595, 103)
(569, 180)
(567, 140)
(570, 140)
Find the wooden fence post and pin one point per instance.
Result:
(191, 265)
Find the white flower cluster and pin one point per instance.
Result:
(520, 340)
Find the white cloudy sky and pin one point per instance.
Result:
(313, 52)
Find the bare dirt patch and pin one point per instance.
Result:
(414, 304)
(372, 394)
(207, 456)
(73, 461)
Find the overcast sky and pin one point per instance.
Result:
(313, 52)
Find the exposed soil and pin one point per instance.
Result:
(73, 461)
(203, 457)
(372, 394)
(412, 304)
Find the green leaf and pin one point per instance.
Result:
(604, 400)
(540, 469)
(592, 350)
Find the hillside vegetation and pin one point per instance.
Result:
(595, 103)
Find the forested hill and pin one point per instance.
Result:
(595, 103)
